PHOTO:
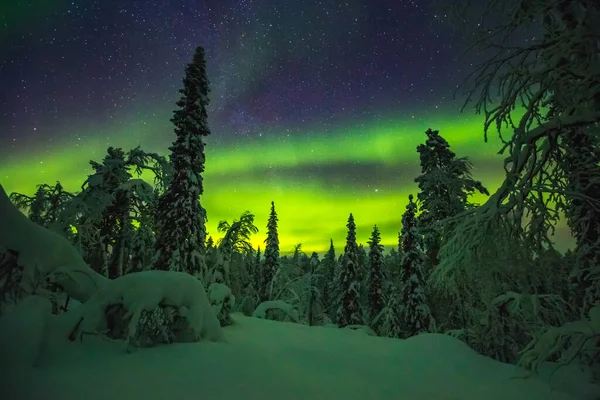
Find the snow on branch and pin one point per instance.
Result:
(181, 296)
(46, 253)
(571, 340)
(288, 309)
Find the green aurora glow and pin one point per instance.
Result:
(306, 175)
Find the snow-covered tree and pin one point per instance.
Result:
(416, 314)
(390, 319)
(256, 276)
(142, 248)
(582, 166)
(376, 277)
(349, 312)
(445, 184)
(271, 262)
(313, 307)
(553, 80)
(328, 272)
(392, 267)
(180, 220)
(236, 239)
(45, 205)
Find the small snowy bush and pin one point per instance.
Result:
(222, 302)
(266, 308)
(569, 342)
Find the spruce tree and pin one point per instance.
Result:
(390, 322)
(328, 270)
(142, 248)
(417, 316)
(376, 278)
(312, 288)
(257, 271)
(271, 263)
(181, 218)
(350, 312)
(445, 183)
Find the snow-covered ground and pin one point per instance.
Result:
(261, 360)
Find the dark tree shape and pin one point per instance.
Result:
(376, 277)
(180, 221)
(350, 312)
(554, 80)
(46, 204)
(328, 269)
(446, 184)
(417, 316)
(271, 263)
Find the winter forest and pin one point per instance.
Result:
(130, 259)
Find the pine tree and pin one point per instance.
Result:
(142, 248)
(271, 263)
(350, 312)
(115, 225)
(417, 316)
(313, 292)
(390, 322)
(328, 270)
(376, 278)
(257, 271)
(445, 183)
(181, 218)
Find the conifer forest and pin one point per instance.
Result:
(128, 254)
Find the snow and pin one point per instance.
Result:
(44, 252)
(288, 309)
(147, 290)
(264, 360)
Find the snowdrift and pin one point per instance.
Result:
(261, 360)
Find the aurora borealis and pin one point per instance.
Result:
(316, 105)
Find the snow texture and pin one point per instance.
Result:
(46, 253)
(275, 360)
(147, 290)
(288, 309)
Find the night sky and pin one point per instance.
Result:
(316, 105)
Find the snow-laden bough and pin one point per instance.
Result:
(147, 291)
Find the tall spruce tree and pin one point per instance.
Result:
(445, 183)
(390, 322)
(376, 277)
(181, 218)
(416, 316)
(257, 271)
(271, 263)
(350, 312)
(328, 270)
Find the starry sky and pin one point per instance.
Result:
(316, 105)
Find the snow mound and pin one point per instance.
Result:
(44, 252)
(22, 330)
(287, 309)
(276, 360)
(146, 291)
